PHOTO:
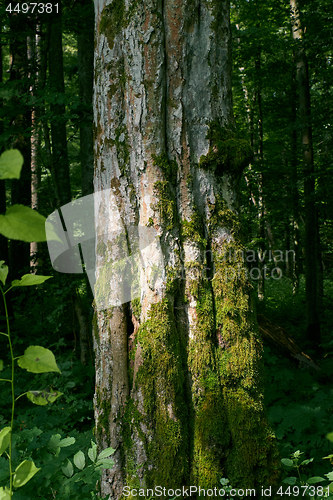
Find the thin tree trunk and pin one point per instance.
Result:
(3, 240)
(85, 45)
(313, 274)
(20, 127)
(176, 372)
(60, 164)
(295, 236)
(34, 63)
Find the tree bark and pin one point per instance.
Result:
(177, 385)
(313, 273)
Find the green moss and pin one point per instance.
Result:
(168, 167)
(252, 459)
(95, 328)
(222, 216)
(103, 403)
(193, 229)
(136, 308)
(113, 20)
(228, 153)
(161, 380)
(121, 144)
(165, 204)
(210, 431)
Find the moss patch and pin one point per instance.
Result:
(252, 460)
(112, 20)
(165, 204)
(228, 153)
(168, 167)
(161, 379)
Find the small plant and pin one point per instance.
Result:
(21, 223)
(301, 484)
(36, 359)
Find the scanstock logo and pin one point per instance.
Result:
(120, 262)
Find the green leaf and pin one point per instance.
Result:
(23, 223)
(3, 272)
(105, 464)
(287, 462)
(66, 442)
(4, 439)
(43, 398)
(105, 453)
(315, 480)
(290, 480)
(329, 475)
(68, 469)
(308, 461)
(79, 460)
(24, 472)
(92, 452)
(5, 494)
(224, 481)
(1, 365)
(30, 280)
(53, 444)
(329, 436)
(37, 359)
(11, 162)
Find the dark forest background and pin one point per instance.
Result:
(283, 104)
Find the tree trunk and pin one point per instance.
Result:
(85, 46)
(260, 161)
(20, 129)
(60, 165)
(177, 388)
(34, 52)
(3, 240)
(313, 274)
(294, 221)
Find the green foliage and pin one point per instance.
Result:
(11, 162)
(303, 484)
(22, 223)
(30, 280)
(37, 359)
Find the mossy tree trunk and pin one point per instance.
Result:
(177, 371)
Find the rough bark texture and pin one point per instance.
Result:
(177, 382)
